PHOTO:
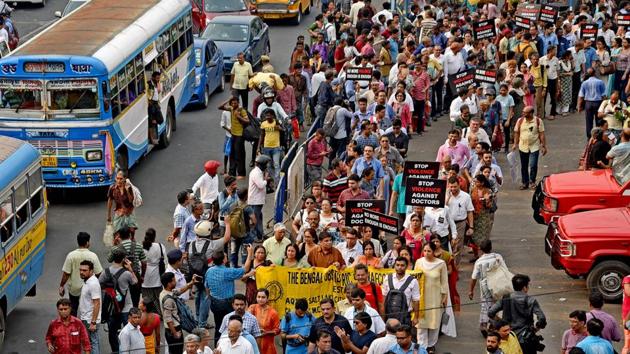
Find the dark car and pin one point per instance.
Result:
(209, 75)
(235, 34)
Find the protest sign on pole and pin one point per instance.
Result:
(381, 221)
(483, 76)
(354, 210)
(421, 169)
(548, 14)
(425, 192)
(588, 32)
(484, 29)
(461, 79)
(530, 11)
(523, 22)
(359, 73)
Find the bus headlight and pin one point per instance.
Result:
(94, 155)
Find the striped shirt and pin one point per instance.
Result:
(333, 186)
(135, 261)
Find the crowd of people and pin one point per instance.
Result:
(542, 73)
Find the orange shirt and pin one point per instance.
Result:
(317, 258)
(370, 293)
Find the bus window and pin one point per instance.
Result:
(22, 94)
(36, 189)
(140, 81)
(73, 95)
(21, 202)
(6, 219)
(124, 101)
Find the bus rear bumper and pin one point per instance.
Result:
(76, 178)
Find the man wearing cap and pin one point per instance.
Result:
(208, 184)
(266, 65)
(203, 230)
(174, 266)
(276, 245)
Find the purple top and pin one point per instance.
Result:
(570, 339)
(611, 330)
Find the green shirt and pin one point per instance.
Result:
(400, 188)
(139, 254)
(275, 250)
(71, 266)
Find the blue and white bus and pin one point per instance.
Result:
(22, 224)
(78, 90)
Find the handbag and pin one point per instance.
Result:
(497, 137)
(161, 265)
(108, 235)
(445, 318)
(608, 69)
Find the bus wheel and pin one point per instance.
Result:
(3, 327)
(122, 161)
(165, 138)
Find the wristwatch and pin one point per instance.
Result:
(93, 322)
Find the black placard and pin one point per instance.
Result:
(523, 22)
(359, 73)
(588, 31)
(530, 11)
(421, 169)
(623, 20)
(548, 14)
(381, 221)
(485, 76)
(425, 192)
(354, 210)
(461, 79)
(484, 29)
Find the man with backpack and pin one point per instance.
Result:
(242, 222)
(116, 282)
(529, 138)
(337, 127)
(199, 252)
(135, 254)
(402, 293)
(295, 328)
(175, 313)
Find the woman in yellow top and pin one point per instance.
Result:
(270, 140)
(509, 341)
(539, 73)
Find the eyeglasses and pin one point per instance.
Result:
(401, 338)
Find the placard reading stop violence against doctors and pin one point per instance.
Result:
(425, 192)
(484, 29)
(355, 209)
(421, 169)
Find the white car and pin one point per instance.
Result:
(70, 6)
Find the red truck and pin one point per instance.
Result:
(577, 191)
(594, 245)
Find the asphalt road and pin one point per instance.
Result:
(198, 138)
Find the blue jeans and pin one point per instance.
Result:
(96, 349)
(275, 154)
(236, 244)
(259, 232)
(529, 166)
(202, 306)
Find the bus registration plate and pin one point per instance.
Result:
(49, 161)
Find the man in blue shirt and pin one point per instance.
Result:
(549, 38)
(594, 343)
(296, 327)
(219, 281)
(592, 92)
(438, 37)
(368, 160)
(589, 53)
(404, 345)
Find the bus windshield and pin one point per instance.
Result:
(72, 95)
(21, 94)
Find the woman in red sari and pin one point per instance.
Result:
(149, 326)
(268, 321)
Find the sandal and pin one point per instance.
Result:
(431, 350)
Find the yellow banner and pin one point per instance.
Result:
(286, 285)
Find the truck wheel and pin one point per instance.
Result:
(607, 277)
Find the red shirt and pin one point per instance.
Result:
(369, 294)
(339, 55)
(315, 148)
(420, 84)
(68, 339)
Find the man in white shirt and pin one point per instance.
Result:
(360, 305)
(317, 80)
(180, 214)
(475, 128)
(130, 337)
(496, 175)
(384, 344)
(398, 281)
(354, 12)
(461, 208)
(350, 249)
(208, 184)
(385, 11)
(234, 343)
(551, 64)
(90, 303)
(457, 103)
(441, 223)
(258, 190)
(606, 32)
(174, 258)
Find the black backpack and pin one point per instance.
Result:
(113, 299)
(396, 301)
(198, 262)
